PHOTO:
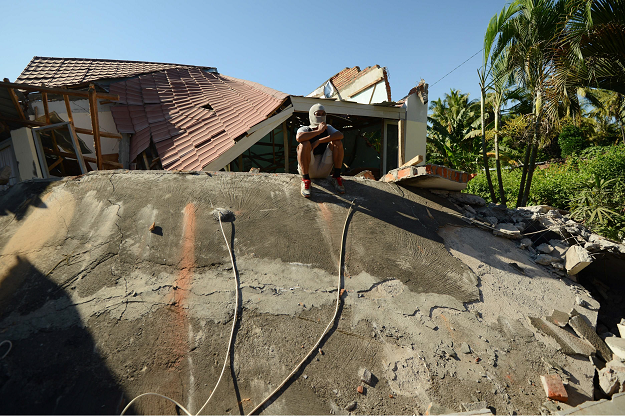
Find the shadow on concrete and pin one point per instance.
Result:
(17, 199)
(52, 368)
(413, 210)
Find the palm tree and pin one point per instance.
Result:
(486, 80)
(450, 129)
(590, 50)
(528, 38)
(608, 105)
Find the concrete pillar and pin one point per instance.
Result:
(416, 128)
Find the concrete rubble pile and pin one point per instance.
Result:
(576, 248)
(574, 333)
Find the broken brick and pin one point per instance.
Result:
(554, 388)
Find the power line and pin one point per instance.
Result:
(457, 67)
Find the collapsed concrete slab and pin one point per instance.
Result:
(121, 309)
(569, 344)
(585, 331)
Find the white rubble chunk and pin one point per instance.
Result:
(508, 231)
(612, 378)
(576, 259)
(617, 345)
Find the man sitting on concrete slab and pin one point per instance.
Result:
(320, 147)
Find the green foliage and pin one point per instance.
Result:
(571, 141)
(591, 185)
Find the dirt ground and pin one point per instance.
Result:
(99, 309)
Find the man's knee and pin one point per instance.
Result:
(304, 147)
(336, 144)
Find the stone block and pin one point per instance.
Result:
(621, 329)
(537, 209)
(546, 259)
(569, 344)
(508, 231)
(467, 199)
(559, 248)
(554, 389)
(365, 376)
(592, 247)
(585, 331)
(471, 407)
(576, 259)
(617, 345)
(545, 248)
(559, 318)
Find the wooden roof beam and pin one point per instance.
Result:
(58, 91)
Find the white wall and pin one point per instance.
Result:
(80, 113)
(379, 94)
(25, 153)
(416, 128)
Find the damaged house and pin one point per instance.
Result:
(66, 116)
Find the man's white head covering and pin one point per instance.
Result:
(316, 120)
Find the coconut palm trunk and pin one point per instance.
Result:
(493, 197)
(502, 195)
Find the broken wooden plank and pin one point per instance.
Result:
(414, 161)
(44, 99)
(93, 109)
(16, 101)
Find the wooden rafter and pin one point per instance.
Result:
(16, 101)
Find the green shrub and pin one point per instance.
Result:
(571, 141)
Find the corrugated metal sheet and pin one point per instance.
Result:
(57, 72)
(191, 115)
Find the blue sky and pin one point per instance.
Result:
(292, 46)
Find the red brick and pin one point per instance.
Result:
(403, 173)
(554, 389)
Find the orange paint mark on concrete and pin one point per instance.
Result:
(448, 326)
(187, 260)
(182, 285)
(325, 212)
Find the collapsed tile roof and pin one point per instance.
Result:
(62, 72)
(192, 116)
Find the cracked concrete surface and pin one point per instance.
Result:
(100, 310)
